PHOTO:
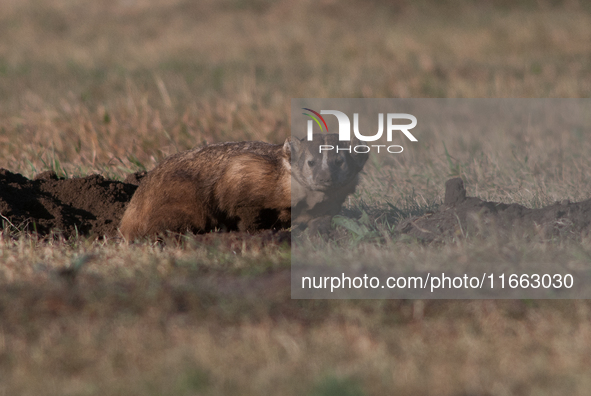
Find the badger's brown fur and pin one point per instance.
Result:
(229, 186)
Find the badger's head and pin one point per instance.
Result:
(325, 162)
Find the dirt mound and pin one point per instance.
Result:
(89, 205)
(460, 216)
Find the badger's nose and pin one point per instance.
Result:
(324, 177)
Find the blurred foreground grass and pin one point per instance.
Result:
(193, 319)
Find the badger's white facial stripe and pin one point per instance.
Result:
(324, 165)
(324, 160)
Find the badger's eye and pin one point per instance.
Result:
(311, 163)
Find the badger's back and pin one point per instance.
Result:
(220, 186)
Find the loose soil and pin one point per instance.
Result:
(90, 205)
(460, 216)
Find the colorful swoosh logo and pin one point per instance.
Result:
(316, 119)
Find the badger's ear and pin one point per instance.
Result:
(359, 158)
(291, 146)
(287, 146)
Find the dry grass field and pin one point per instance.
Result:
(114, 86)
